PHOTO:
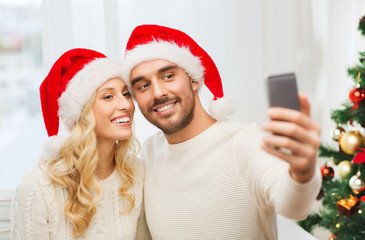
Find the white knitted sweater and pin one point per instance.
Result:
(37, 210)
(220, 185)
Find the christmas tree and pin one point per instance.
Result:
(343, 193)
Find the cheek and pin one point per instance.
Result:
(141, 100)
(100, 113)
(132, 107)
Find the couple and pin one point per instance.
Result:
(201, 177)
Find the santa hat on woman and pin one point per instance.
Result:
(149, 42)
(71, 82)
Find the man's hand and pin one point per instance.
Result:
(295, 139)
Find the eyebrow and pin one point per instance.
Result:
(168, 67)
(104, 89)
(136, 80)
(161, 70)
(110, 89)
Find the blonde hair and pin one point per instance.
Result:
(75, 170)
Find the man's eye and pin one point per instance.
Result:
(108, 97)
(168, 76)
(143, 86)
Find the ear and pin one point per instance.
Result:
(195, 85)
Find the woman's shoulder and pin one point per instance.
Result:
(33, 175)
(32, 181)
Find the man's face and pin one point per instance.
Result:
(165, 94)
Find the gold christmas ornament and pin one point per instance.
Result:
(344, 168)
(351, 140)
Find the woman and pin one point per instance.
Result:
(88, 185)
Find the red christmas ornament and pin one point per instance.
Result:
(327, 172)
(332, 237)
(360, 156)
(357, 95)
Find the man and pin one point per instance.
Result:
(208, 177)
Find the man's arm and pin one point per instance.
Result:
(298, 134)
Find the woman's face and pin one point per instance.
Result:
(113, 111)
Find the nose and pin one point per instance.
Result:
(124, 104)
(159, 89)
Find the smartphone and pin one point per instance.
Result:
(282, 91)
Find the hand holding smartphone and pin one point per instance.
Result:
(282, 91)
(295, 136)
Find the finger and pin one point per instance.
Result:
(289, 115)
(300, 169)
(304, 104)
(288, 157)
(296, 148)
(292, 130)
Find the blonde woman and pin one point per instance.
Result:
(90, 184)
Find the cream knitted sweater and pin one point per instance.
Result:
(37, 210)
(220, 185)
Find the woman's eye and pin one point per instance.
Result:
(108, 97)
(127, 94)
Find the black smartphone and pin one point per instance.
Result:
(282, 91)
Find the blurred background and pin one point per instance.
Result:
(247, 39)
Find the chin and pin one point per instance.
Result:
(124, 136)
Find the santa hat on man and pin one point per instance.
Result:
(71, 82)
(149, 42)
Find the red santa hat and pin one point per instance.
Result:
(71, 82)
(149, 42)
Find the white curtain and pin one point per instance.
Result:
(247, 39)
(230, 31)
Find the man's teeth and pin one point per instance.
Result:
(164, 108)
(121, 120)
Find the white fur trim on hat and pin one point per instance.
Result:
(169, 51)
(82, 86)
(221, 108)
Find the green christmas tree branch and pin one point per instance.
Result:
(362, 26)
(347, 223)
(349, 114)
(326, 151)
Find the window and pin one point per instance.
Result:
(20, 76)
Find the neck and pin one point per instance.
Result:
(106, 162)
(200, 122)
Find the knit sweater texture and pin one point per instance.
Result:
(38, 210)
(220, 185)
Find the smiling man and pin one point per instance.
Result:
(208, 177)
(169, 112)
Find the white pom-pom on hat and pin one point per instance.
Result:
(221, 108)
(52, 147)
